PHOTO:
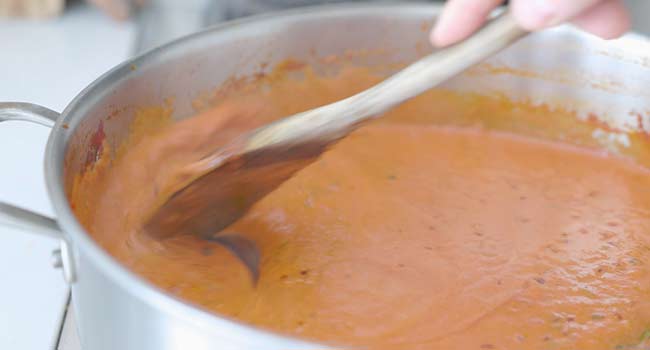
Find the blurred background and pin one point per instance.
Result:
(49, 51)
(158, 21)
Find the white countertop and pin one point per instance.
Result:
(46, 63)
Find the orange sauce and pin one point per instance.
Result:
(407, 234)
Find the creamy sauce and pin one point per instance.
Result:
(405, 235)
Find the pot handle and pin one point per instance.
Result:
(28, 112)
(9, 214)
(24, 219)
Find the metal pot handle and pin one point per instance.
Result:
(24, 219)
(28, 112)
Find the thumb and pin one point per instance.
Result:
(539, 14)
(118, 9)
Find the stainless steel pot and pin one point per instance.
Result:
(116, 309)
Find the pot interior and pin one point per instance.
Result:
(562, 69)
(594, 91)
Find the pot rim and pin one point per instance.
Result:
(56, 147)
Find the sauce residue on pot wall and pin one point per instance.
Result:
(406, 235)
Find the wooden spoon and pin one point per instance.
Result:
(226, 184)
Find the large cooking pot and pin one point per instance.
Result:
(115, 308)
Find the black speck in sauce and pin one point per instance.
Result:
(597, 316)
(207, 251)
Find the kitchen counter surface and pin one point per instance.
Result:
(46, 63)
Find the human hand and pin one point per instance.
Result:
(118, 9)
(605, 18)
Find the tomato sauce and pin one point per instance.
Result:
(408, 234)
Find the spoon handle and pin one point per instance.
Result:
(333, 121)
